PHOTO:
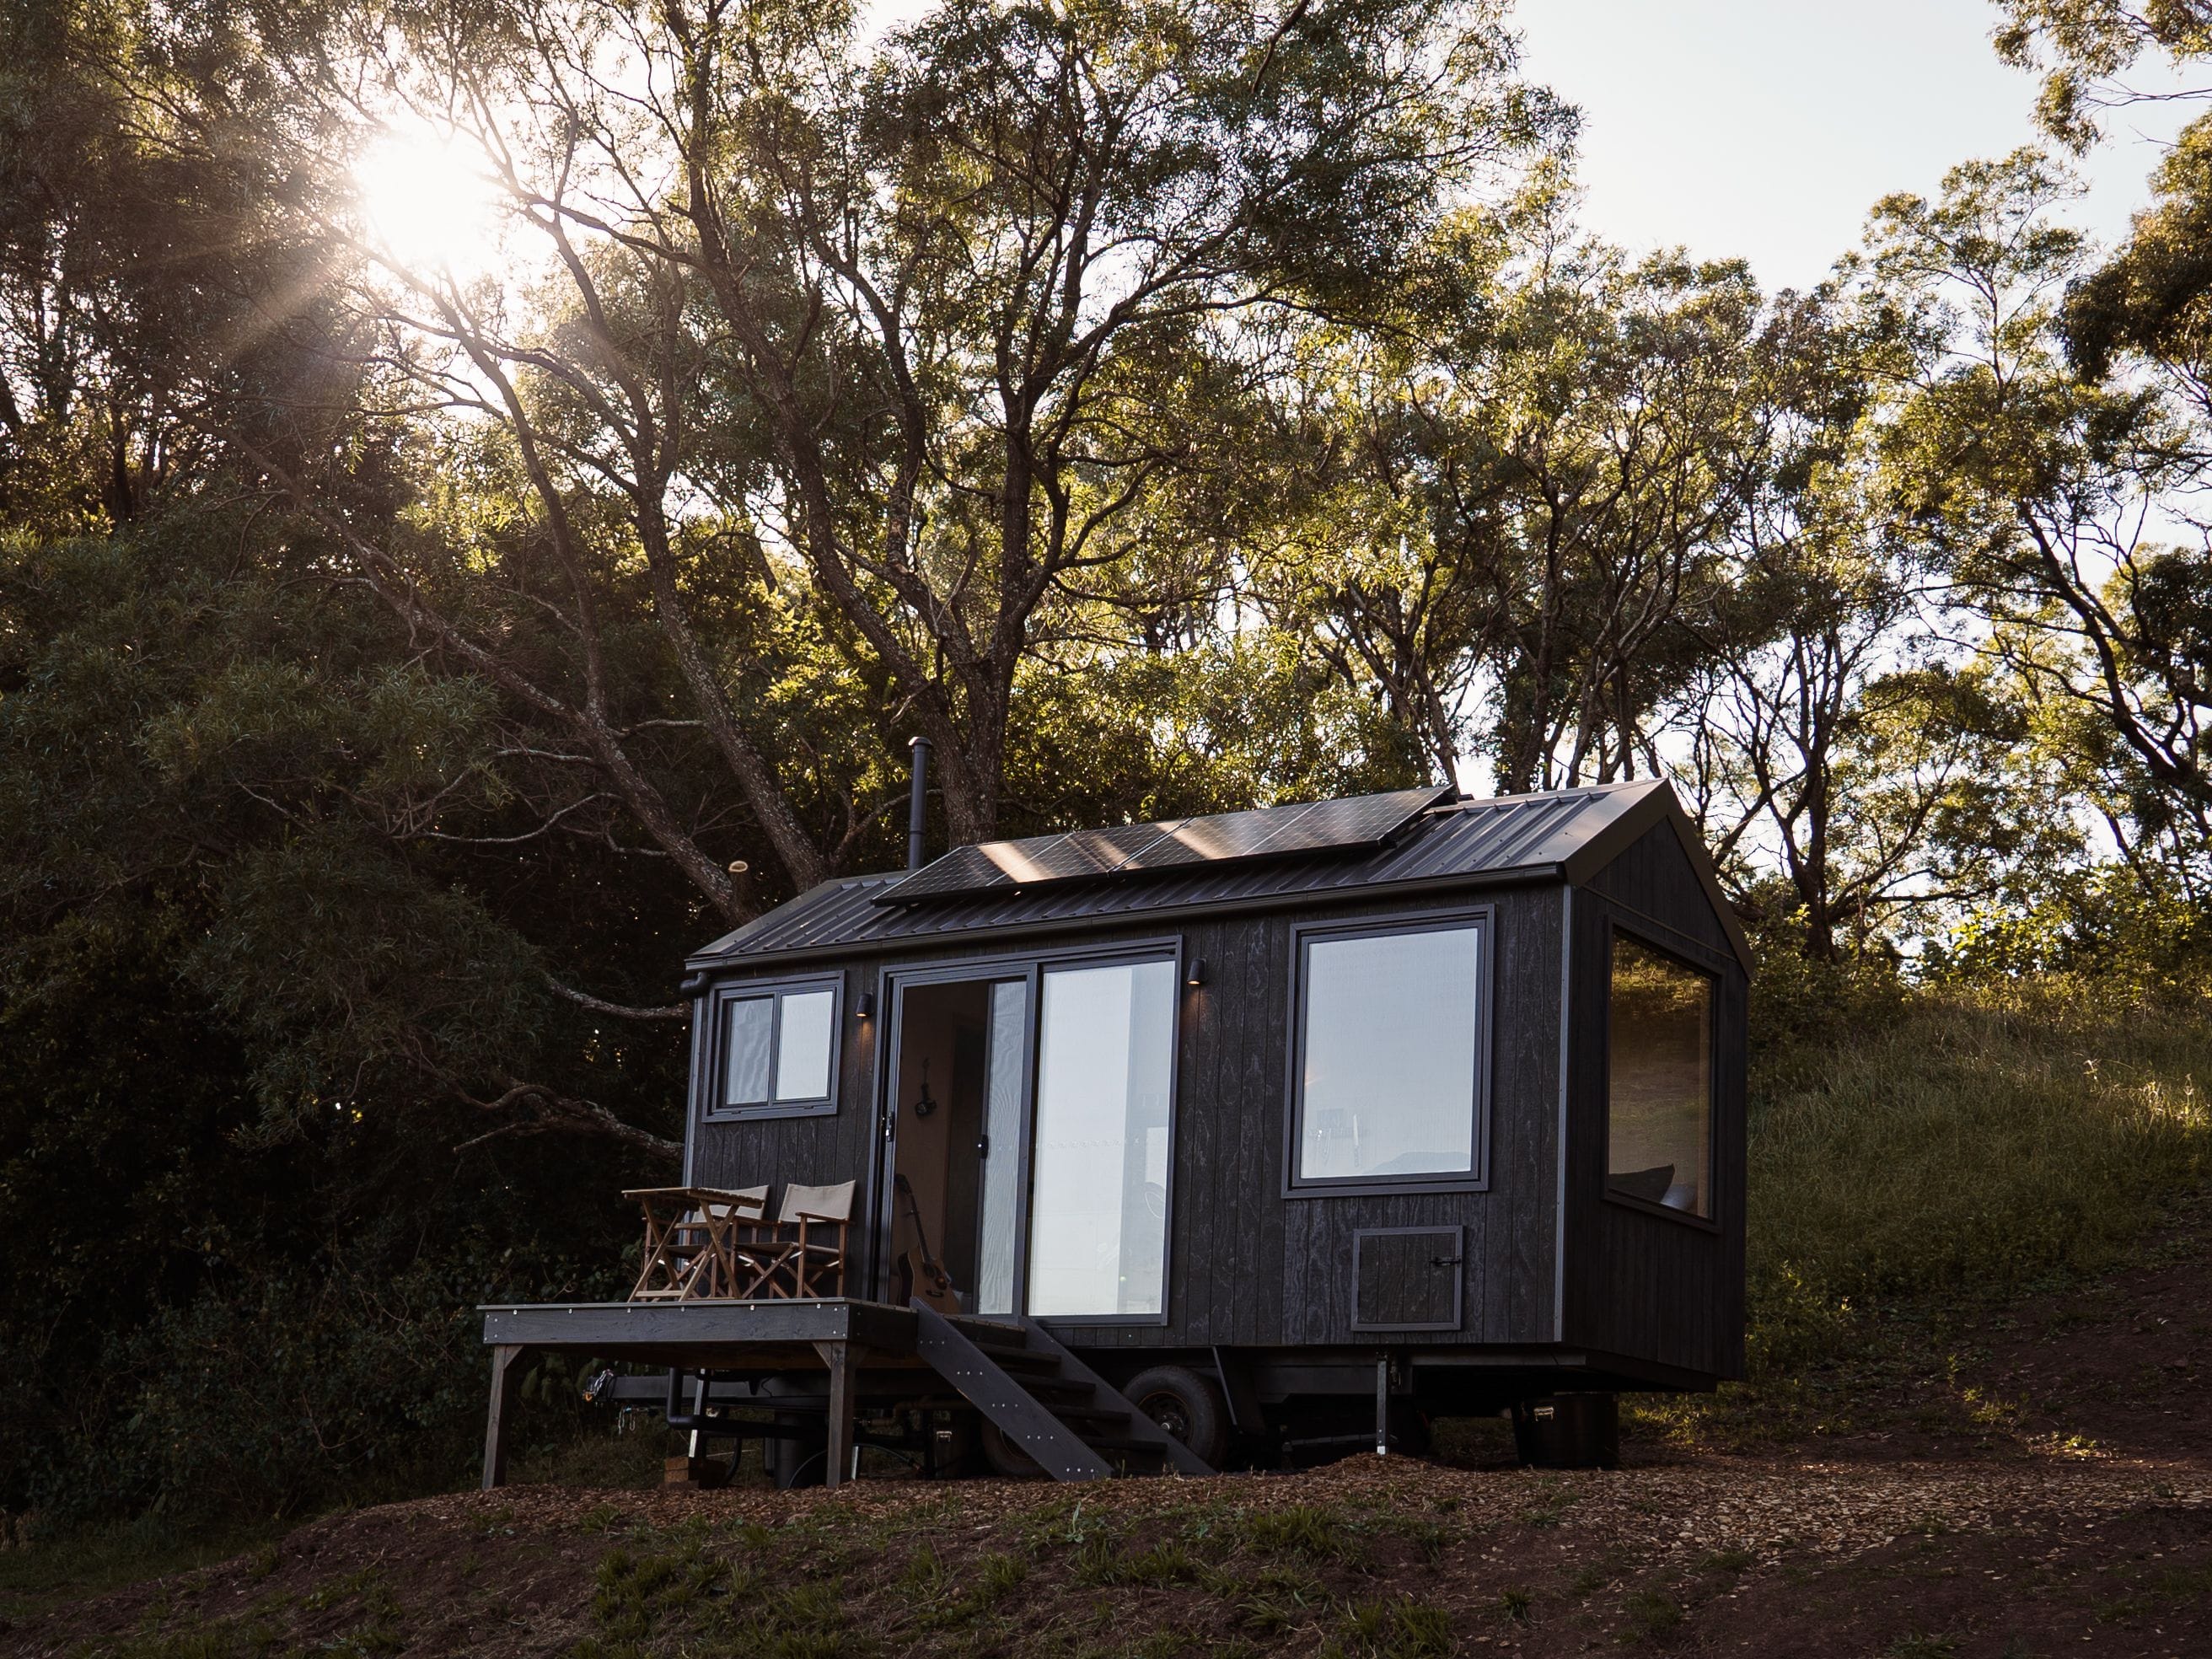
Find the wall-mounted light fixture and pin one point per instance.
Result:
(1196, 974)
(865, 1007)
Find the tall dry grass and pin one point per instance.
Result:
(1975, 1138)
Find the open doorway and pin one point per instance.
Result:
(956, 1091)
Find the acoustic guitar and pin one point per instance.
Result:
(921, 1274)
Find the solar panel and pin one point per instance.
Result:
(1364, 821)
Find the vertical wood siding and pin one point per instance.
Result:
(1640, 1284)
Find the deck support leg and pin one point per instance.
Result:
(1383, 1406)
(506, 1377)
(842, 1359)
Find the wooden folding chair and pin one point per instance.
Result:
(691, 1240)
(801, 1253)
(726, 1213)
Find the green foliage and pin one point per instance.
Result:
(1802, 1000)
(1402, 1629)
(1981, 1138)
(2083, 46)
(2151, 298)
(2131, 933)
(1301, 1532)
(240, 1000)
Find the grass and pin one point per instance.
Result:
(1965, 1146)
(1987, 1138)
(39, 1576)
(1304, 1532)
(1399, 1628)
(1647, 1615)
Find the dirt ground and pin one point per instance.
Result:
(2036, 1481)
(1368, 1557)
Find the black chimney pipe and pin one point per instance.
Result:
(917, 809)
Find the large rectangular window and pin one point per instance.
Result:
(1099, 1171)
(779, 1049)
(1389, 1054)
(1659, 1079)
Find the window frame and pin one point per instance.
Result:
(1482, 920)
(1615, 930)
(719, 1000)
(1169, 951)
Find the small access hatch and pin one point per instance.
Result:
(1408, 1278)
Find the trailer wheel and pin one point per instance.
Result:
(1007, 1460)
(1185, 1404)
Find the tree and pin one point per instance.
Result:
(931, 332)
(2038, 489)
(1524, 514)
(2083, 46)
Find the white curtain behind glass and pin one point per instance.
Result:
(1099, 1204)
(802, 1045)
(1002, 1128)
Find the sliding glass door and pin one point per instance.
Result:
(1100, 1158)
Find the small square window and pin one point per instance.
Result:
(779, 1049)
(1659, 1080)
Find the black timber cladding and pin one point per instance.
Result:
(1651, 1285)
(1247, 1267)
(1569, 833)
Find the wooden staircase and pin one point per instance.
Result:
(1044, 1399)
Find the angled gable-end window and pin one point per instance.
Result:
(1388, 1075)
(775, 1049)
(1659, 1080)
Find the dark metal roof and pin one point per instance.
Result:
(1569, 834)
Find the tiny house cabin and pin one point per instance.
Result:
(1289, 1127)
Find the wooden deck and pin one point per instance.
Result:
(999, 1366)
(713, 1336)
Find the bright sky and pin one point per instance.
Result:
(1765, 129)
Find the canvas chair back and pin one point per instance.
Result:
(817, 1203)
(743, 1204)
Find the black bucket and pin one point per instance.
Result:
(1568, 1431)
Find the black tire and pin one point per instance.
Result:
(1007, 1460)
(1186, 1405)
